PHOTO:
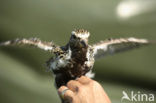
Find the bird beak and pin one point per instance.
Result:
(83, 43)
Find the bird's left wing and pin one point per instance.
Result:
(47, 46)
(113, 46)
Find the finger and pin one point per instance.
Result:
(84, 80)
(65, 93)
(73, 85)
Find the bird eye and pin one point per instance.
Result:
(74, 37)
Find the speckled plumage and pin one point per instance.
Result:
(76, 58)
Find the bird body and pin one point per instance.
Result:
(77, 57)
(76, 60)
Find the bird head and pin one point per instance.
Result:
(79, 38)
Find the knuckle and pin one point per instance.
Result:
(82, 77)
(73, 85)
(84, 80)
(70, 83)
(62, 88)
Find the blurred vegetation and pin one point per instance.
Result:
(23, 76)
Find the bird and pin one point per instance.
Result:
(77, 57)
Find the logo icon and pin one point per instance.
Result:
(137, 97)
(125, 96)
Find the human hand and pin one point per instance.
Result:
(83, 90)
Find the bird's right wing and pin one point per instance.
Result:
(114, 46)
(47, 46)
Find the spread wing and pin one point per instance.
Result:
(47, 46)
(113, 46)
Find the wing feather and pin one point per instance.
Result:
(47, 46)
(113, 46)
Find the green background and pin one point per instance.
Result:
(23, 76)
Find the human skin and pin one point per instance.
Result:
(83, 90)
